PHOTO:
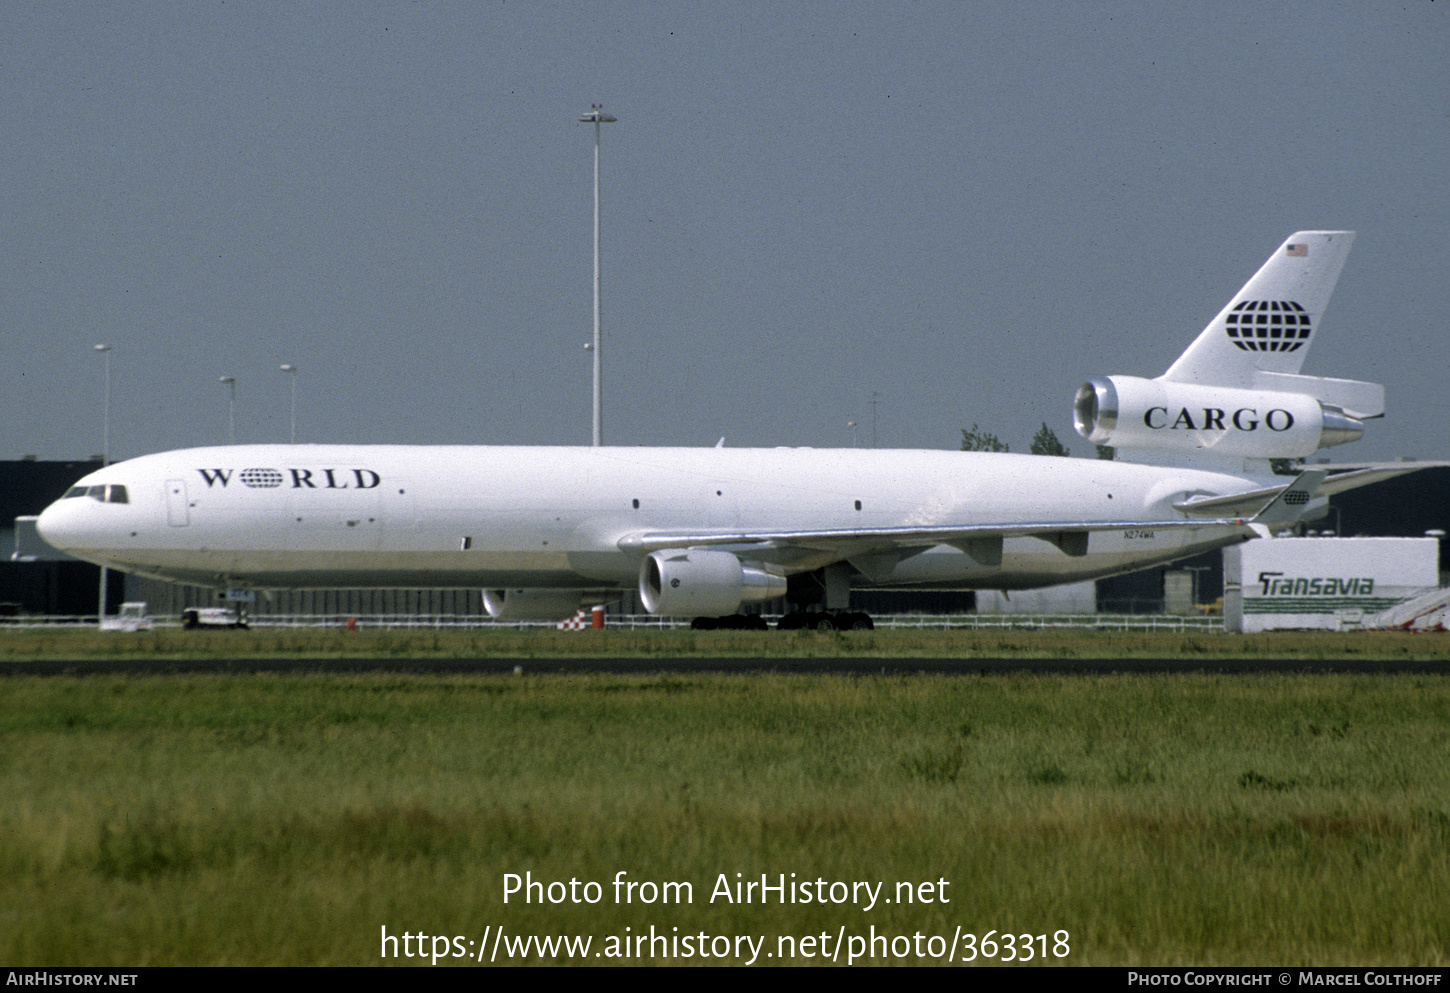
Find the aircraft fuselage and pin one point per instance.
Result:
(298, 516)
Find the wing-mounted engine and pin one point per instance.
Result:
(694, 582)
(1159, 415)
(532, 604)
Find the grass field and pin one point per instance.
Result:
(402, 644)
(1190, 819)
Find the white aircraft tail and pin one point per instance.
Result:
(1269, 325)
(1236, 392)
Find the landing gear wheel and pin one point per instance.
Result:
(855, 622)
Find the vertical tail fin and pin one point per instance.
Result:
(1235, 397)
(1269, 325)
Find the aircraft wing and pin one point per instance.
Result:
(1277, 507)
(975, 539)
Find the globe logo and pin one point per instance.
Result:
(1268, 325)
(261, 479)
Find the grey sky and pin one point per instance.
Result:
(967, 208)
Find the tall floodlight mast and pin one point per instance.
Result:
(230, 382)
(291, 370)
(597, 116)
(105, 350)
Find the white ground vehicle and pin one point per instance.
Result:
(212, 617)
(131, 617)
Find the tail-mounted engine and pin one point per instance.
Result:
(1128, 412)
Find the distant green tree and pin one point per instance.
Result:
(977, 440)
(1106, 452)
(1044, 442)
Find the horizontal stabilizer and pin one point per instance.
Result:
(1288, 507)
(1357, 399)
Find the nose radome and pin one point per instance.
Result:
(61, 524)
(49, 528)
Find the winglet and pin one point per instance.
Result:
(1288, 507)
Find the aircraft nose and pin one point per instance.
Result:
(61, 525)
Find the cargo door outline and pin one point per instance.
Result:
(178, 511)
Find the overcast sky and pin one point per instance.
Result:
(961, 209)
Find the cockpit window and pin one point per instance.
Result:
(114, 493)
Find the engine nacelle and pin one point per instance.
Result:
(696, 582)
(1128, 412)
(532, 605)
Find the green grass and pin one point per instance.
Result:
(1276, 819)
(85, 644)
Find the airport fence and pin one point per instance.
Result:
(49, 621)
(635, 622)
(1091, 622)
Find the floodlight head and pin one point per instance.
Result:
(597, 115)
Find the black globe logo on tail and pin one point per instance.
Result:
(1268, 325)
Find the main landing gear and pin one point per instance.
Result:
(820, 601)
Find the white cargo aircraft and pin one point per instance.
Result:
(700, 532)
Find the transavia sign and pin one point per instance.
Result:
(296, 479)
(1323, 583)
(1278, 584)
(1302, 595)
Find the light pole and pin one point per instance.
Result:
(597, 116)
(105, 461)
(231, 383)
(852, 426)
(291, 370)
(106, 415)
